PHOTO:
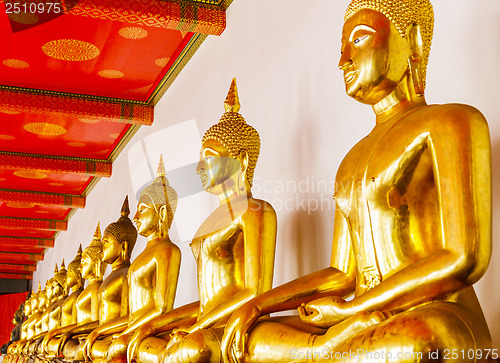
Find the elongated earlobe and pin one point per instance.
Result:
(415, 60)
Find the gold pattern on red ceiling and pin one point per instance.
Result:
(75, 85)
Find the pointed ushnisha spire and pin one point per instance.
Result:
(39, 286)
(97, 233)
(63, 267)
(56, 270)
(232, 102)
(161, 167)
(79, 250)
(125, 208)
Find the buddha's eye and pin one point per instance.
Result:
(360, 39)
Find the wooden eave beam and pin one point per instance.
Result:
(27, 258)
(9, 268)
(56, 104)
(13, 161)
(49, 199)
(25, 223)
(6, 241)
(184, 15)
(16, 276)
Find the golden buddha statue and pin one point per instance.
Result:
(56, 294)
(87, 303)
(412, 227)
(13, 349)
(234, 247)
(68, 311)
(118, 242)
(152, 276)
(28, 326)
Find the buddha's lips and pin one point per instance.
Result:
(349, 76)
(203, 179)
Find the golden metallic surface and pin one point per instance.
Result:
(118, 242)
(68, 309)
(234, 248)
(152, 276)
(86, 305)
(412, 229)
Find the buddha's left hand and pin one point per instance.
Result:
(176, 337)
(325, 312)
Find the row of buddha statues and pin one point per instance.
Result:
(412, 234)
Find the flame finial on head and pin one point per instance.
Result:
(232, 102)
(160, 171)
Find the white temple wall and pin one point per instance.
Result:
(284, 55)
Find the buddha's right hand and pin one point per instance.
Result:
(64, 338)
(236, 332)
(87, 346)
(45, 342)
(138, 336)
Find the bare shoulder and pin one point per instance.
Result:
(259, 207)
(451, 117)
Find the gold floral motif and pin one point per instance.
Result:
(30, 174)
(70, 50)
(133, 32)
(45, 129)
(111, 74)
(162, 62)
(16, 63)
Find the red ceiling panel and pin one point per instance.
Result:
(74, 88)
(82, 55)
(30, 210)
(44, 182)
(59, 135)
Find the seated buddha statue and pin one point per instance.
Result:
(57, 293)
(87, 303)
(28, 326)
(40, 321)
(118, 242)
(68, 311)
(13, 349)
(412, 230)
(152, 276)
(234, 247)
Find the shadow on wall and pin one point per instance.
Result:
(308, 241)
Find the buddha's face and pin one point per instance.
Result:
(42, 298)
(147, 217)
(71, 279)
(48, 290)
(27, 308)
(111, 249)
(374, 56)
(87, 266)
(34, 303)
(216, 166)
(57, 289)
